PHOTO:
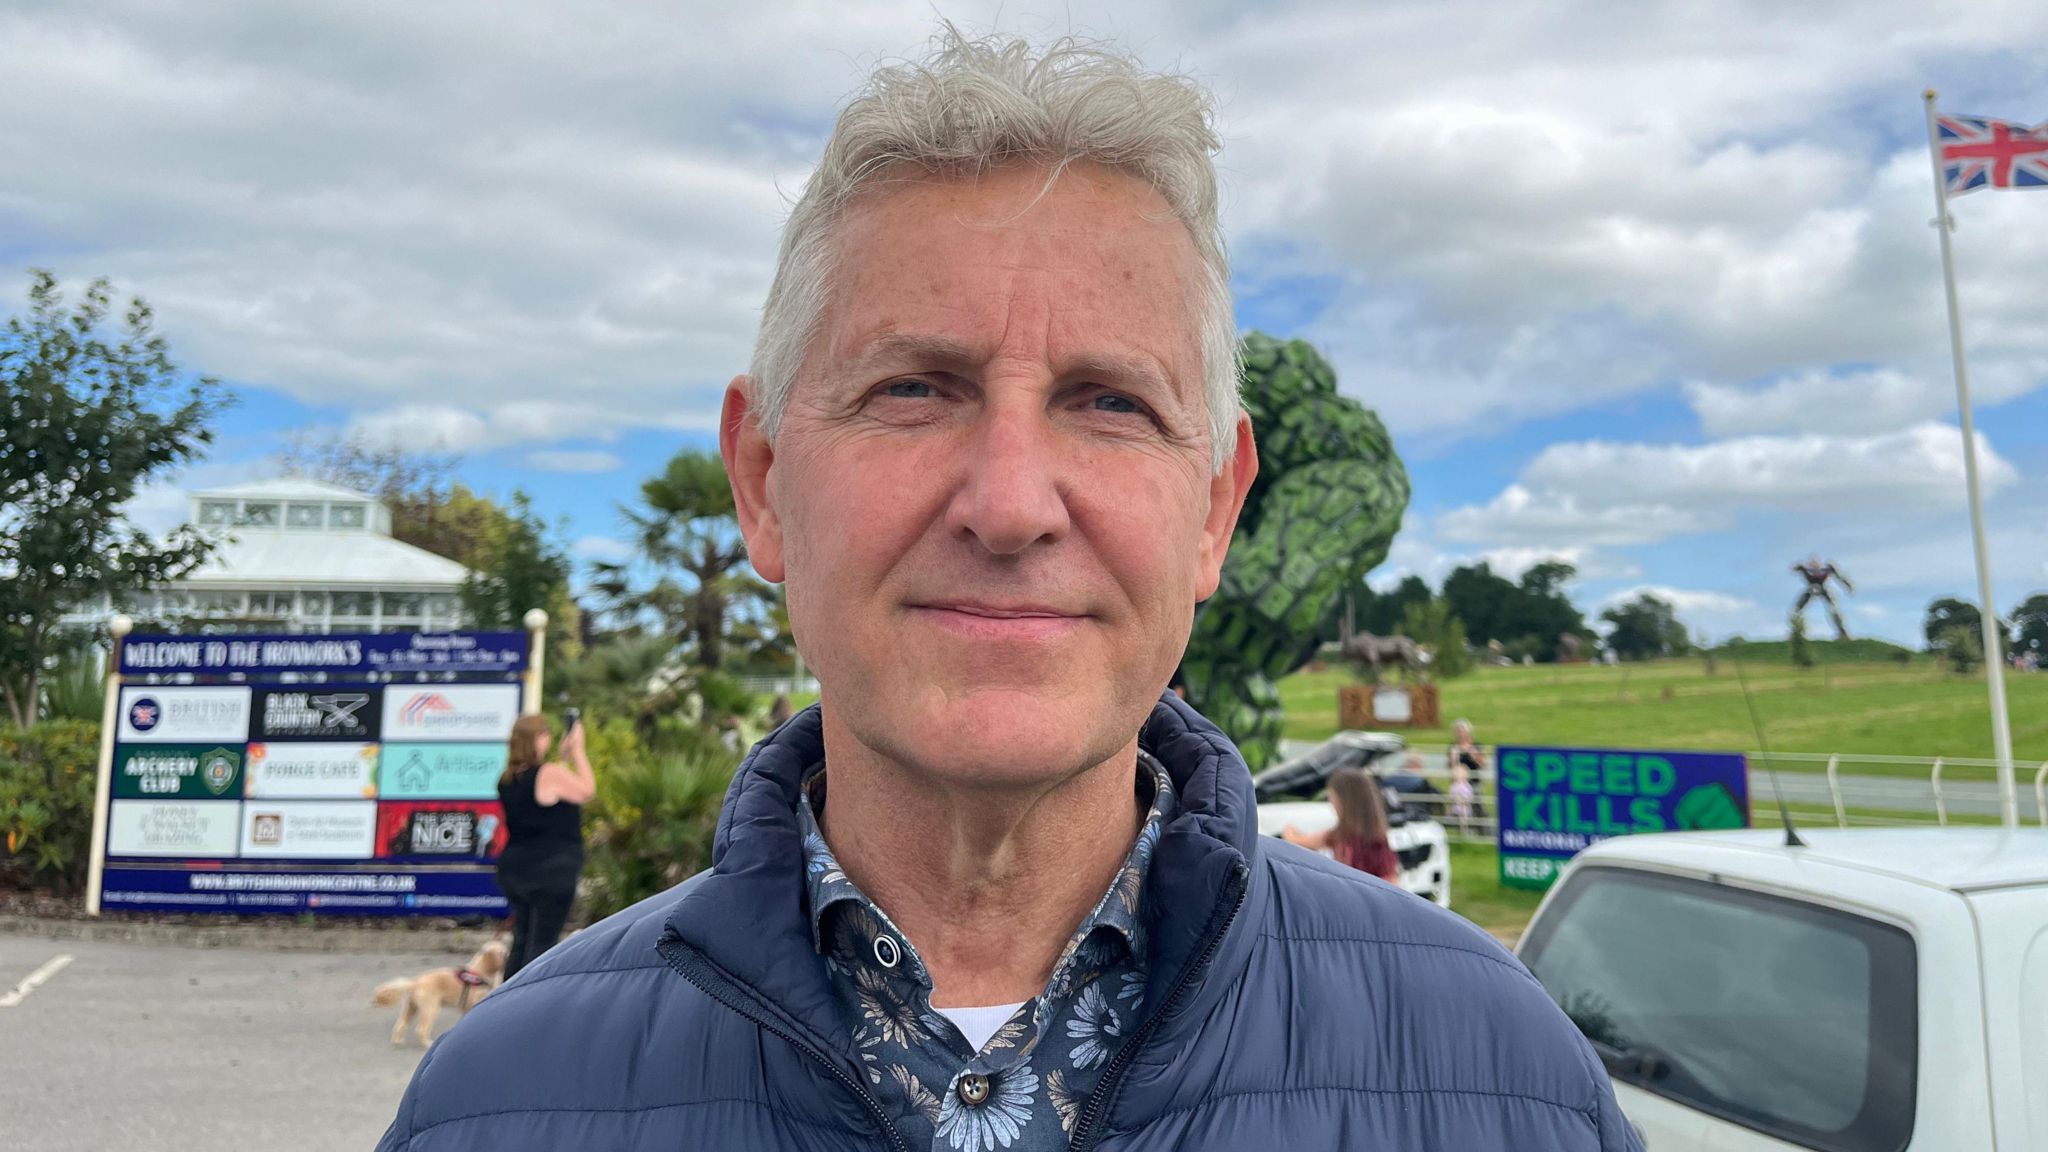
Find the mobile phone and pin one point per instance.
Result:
(570, 718)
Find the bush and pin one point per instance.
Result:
(651, 823)
(47, 777)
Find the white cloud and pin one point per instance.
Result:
(1687, 601)
(602, 549)
(447, 428)
(1556, 519)
(1850, 402)
(1522, 207)
(1921, 467)
(1513, 561)
(555, 460)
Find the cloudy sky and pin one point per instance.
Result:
(1649, 286)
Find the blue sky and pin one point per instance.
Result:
(1647, 286)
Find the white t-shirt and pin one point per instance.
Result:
(978, 1024)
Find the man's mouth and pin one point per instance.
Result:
(999, 620)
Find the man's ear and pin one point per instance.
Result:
(1227, 490)
(749, 458)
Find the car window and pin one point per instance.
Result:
(1796, 1021)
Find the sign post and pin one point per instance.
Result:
(1555, 802)
(536, 661)
(120, 626)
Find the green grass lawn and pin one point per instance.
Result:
(1915, 709)
(1477, 895)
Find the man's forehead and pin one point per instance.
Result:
(1091, 265)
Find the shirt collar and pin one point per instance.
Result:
(855, 937)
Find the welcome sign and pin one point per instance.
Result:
(1554, 802)
(326, 777)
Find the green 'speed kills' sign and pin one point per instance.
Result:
(178, 772)
(1553, 802)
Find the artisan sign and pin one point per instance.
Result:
(440, 771)
(1554, 802)
(464, 652)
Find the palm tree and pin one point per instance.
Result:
(687, 532)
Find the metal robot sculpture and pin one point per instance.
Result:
(1817, 572)
(1328, 499)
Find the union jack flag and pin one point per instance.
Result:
(1979, 152)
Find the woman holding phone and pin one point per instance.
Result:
(543, 801)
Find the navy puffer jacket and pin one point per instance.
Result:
(1293, 1004)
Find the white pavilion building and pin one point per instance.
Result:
(301, 556)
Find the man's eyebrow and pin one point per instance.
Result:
(924, 349)
(1120, 368)
(930, 350)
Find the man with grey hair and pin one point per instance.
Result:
(1000, 890)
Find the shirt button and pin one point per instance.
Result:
(887, 954)
(973, 1089)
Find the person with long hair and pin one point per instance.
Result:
(543, 801)
(1360, 836)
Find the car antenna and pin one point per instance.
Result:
(1792, 839)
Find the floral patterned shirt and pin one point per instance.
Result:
(1023, 1090)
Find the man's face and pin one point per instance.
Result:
(991, 495)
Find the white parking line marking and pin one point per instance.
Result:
(35, 980)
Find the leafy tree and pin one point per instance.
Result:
(688, 534)
(1801, 647)
(514, 562)
(1526, 616)
(1948, 617)
(1961, 647)
(1430, 624)
(1382, 613)
(1645, 628)
(87, 416)
(2030, 624)
(415, 487)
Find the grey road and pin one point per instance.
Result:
(147, 1047)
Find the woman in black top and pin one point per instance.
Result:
(543, 801)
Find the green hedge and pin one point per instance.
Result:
(651, 824)
(47, 775)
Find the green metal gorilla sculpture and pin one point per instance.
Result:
(1324, 510)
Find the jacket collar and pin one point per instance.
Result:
(747, 916)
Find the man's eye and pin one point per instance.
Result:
(909, 389)
(1111, 402)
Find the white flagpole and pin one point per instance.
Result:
(1994, 652)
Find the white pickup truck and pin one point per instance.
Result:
(1877, 990)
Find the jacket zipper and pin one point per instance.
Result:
(693, 967)
(1085, 1135)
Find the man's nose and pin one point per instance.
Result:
(1012, 497)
